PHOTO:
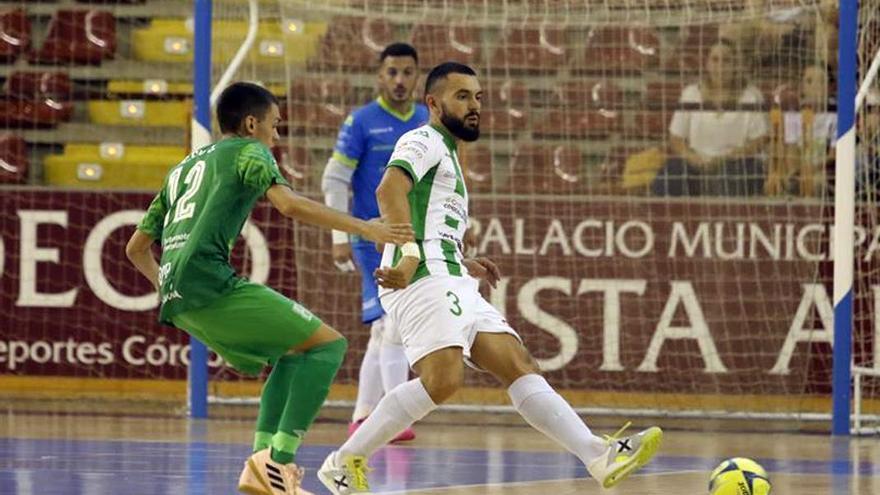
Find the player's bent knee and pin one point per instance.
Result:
(507, 360)
(521, 364)
(441, 386)
(526, 363)
(441, 372)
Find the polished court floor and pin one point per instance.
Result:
(156, 451)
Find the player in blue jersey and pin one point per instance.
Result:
(364, 146)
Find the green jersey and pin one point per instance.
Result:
(198, 215)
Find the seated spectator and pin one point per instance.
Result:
(819, 125)
(718, 135)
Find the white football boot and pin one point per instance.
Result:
(345, 476)
(625, 455)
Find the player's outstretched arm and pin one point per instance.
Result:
(305, 210)
(141, 256)
(392, 195)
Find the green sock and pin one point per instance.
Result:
(309, 388)
(274, 399)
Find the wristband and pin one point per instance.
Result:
(340, 237)
(410, 249)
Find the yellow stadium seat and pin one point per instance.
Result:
(149, 87)
(171, 40)
(128, 167)
(172, 88)
(170, 113)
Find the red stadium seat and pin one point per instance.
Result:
(15, 34)
(295, 163)
(477, 164)
(508, 93)
(664, 94)
(612, 167)
(78, 37)
(130, 2)
(36, 99)
(352, 44)
(538, 169)
(613, 50)
(503, 122)
(578, 123)
(532, 50)
(16, 113)
(475, 6)
(699, 36)
(650, 124)
(311, 119)
(320, 89)
(13, 160)
(685, 62)
(693, 48)
(642, 39)
(613, 61)
(438, 43)
(54, 85)
(600, 95)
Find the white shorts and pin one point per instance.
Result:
(383, 332)
(442, 311)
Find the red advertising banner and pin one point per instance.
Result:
(71, 304)
(623, 294)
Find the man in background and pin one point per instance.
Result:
(365, 143)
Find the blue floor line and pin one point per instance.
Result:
(98, 467)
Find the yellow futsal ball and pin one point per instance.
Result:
(739, 476)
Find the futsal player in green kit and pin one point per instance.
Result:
(197, 215)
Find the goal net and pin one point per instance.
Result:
(655, 180)
(866, 351)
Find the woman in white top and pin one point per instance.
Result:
(718, 135)
(810, 134)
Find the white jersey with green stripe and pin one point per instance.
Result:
(438, 201)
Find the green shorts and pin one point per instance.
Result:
(250, 327)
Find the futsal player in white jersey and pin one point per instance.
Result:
(430, 292)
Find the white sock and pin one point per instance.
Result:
(393, 364)
(369, 381)
(549, 413)
(401, 407)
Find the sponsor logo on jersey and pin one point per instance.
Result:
(302, 311)
(382, 147)
(170, 296)
(175, 242)
(380, 130)
(164, 270)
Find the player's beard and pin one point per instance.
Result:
(458, 128)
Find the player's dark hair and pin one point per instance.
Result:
(443, 70)
(399, 50)
(238, 101)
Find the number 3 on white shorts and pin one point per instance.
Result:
(455, 309)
